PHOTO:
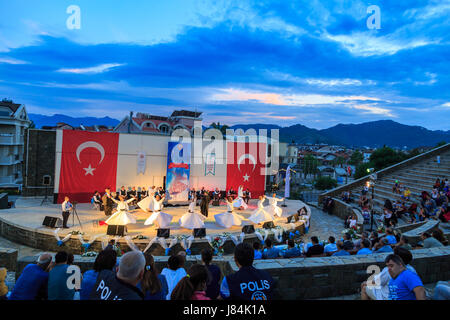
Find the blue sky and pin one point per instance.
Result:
(281, 62)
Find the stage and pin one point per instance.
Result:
(29, 215)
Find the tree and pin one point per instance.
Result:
(223, 128)
(309, 165)
(325, 183)
(385, 157)
(361, 170)
(441, 144)
(356, 158)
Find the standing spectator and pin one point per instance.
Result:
(32, 283)
(292, 251)
(405, 284)
(316, 248)
(341, 251)
(193, 285)
(174, 273)
(57, 279)
(365, 247)
(270, 252)
(121, 285)
(331, 246)
(153, 285)
(429, 241)
(106, 260)
(257, 248)
(212, 287)
(248, 283)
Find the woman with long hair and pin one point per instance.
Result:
(193, 285)
(153, 285)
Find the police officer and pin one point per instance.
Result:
(248, 283)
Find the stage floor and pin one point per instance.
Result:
(29, 214)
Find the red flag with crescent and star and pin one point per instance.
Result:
(88, 163)
(246, 166)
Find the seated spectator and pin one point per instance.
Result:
(365, 213)
(388, 218)
(395, 187)
(430, 242)
(270, 252)
(442, 291)
(316, 248)
(328, 205)
(106, 260)
(404, 243)
(444, 214)
(174, 273)
(439, 235)
(430, 206)
(441, 200)
(364, 190)
(292, 251)
(412, 212)
(401, 188)
(365, 247)
(350, 222)
(437, 184)
(121, 285)
(193, 285)
(32, 283)
(404, 284)
(57, 279)
(331, 246)
(374, 239)
(236, 286)
(212, 286)
(3, 286)
(379, 288)
(257, 248)
(382, 246)
(341, 251)
(153, 285)
(390, 236)
(364, 235)
(406, 194)
(348, 243)
(363, 201)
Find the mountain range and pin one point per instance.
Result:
(369, 134)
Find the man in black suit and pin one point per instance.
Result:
(204, 204)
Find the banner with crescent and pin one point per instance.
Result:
(245, 162)
(88, 163)
(178, 170)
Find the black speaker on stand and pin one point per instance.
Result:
(52, 222)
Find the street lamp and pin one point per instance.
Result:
(371, 183)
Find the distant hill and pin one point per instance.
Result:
(43, 120)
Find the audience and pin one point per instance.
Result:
(315, 249)
(390, 236)
(193, 285)
(382, 246)
(57, 279)
(331, 246)
(365, 247)
(348, 243)
(442, 291)
(403, 243)
(292, 251)
(212, 286)
(32, 283)
(174, 273)
(340, 250)
(430, 242)
(153, 285)
(270, 252)
(248, 283)
(257, 248)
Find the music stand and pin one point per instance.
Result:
(46, 181)
(75, 213)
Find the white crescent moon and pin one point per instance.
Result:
(90, 144)
(245, 156)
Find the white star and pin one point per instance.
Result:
(89, 170)
(246, 177)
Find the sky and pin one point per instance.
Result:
(283, 62)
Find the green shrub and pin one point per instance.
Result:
(325, 183)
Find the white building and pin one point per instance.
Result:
(13, 122)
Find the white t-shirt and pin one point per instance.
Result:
(173, 277)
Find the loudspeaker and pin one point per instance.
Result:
(115, 230)
(199, 233)
(216, 203)
(163, 233)
(268, 225)
(52, 222)
(294, 217)
(46, 180)
(248, 229)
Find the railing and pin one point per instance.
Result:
(362, 181)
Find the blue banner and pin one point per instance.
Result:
(178, 169)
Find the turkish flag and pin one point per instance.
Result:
(88, 163)
(246, 166)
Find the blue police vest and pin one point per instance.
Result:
(250, 283)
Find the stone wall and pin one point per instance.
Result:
(343, 210)
(312, 278)
(39, 160)
(414, 235)
(4, 201)
(8, 258)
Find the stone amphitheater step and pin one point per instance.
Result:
(410, 182)
(430, 171)
(415, 189)
(423, 176)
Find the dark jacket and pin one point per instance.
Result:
(109, 287)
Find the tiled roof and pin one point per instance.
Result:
(10, 105)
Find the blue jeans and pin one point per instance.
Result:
(442, 291)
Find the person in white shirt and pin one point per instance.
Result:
(174, 273)
(162, 219)
(66, 207)
(122, 217)
(331, 246)
(229, 218)
(192, 219)
(272, 208)
(260, 215)
(239, 203)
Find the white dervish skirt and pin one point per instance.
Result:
(240, 203)
(260, 215)
(192, 220)
(228, 219)
(274, 211)
(121, 218)
(146, 204)
(162, 218)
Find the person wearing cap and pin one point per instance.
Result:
(32, 283)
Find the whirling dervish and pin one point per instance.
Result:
(121, 217)
(192, 219)
(260, 215)
(147, 203)
(229, 218)
(272, 208)
(162, 219)
(239, 202)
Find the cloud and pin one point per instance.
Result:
(91, 70)
(374, 110)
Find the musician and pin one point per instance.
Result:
(123, 192)
(132, 193)
(108, 203)
(97, 200)
(232, 193)
(247, 195)
(204, 204)
(66, 207)
(216, 194)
